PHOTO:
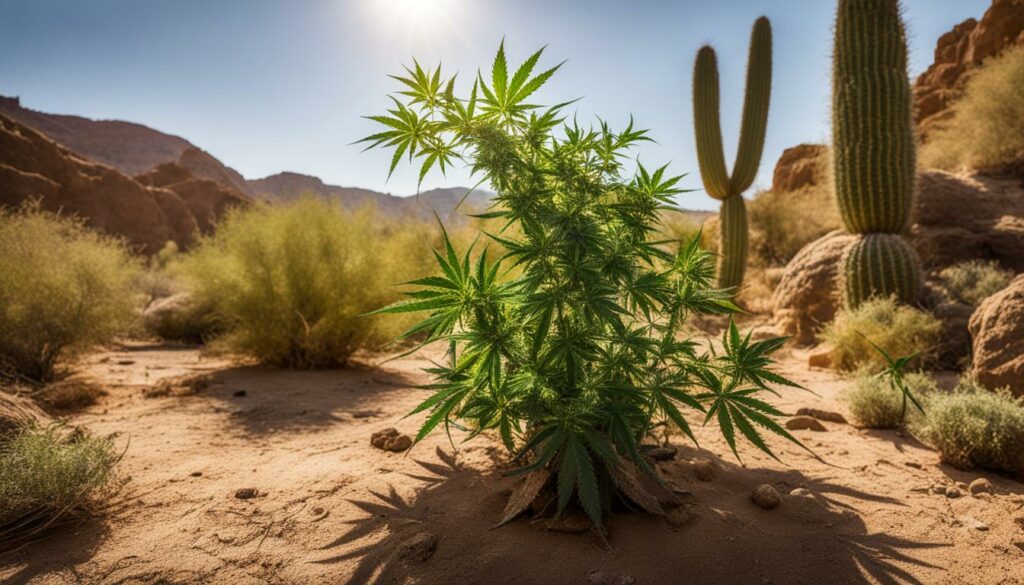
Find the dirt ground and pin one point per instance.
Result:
(330, 508)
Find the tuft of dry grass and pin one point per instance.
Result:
(975, 427)
(69, 394)
(898, 329)
(874, 404)
(781, 224)
(47, 477)
(986, 130)
(974, 281)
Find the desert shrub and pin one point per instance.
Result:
(288, 283)
(63, 289)
(681, 227)
(898, 329)
(70, 394)
(974, 281)
(875, 404)
(781, 224)
(575, 359)
(975, 427)
(987, 129)
(48, 475)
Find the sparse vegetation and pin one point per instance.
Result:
(975, 427)
(288, 283)
(974, 281)
(63, 289)
(781, 224)
(898, 329)
(47, 476)
(875, 404)
(987, 129)
(572, 361)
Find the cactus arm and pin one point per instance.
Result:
(755, 107)
(707, 125)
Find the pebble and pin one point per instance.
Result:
(913, 464)
(980, 486)
(246, 493)
(953, 492)
(196, 474)
(765, 496)
(938, 489)
(703, 470)
(801, 493)
(975, 524)
(798, 423)
(390, 439)
(680, 516)
(819, 414)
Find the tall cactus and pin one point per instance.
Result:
(717, 181)
(873, 146)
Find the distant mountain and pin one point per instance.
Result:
(289, 186)
(128, 147)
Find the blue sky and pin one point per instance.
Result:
(273, 85)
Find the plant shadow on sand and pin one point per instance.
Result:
(56, 548)
(818, 538)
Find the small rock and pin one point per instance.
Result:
(766, 496)
(913, 464)
(196, 474)
(822, 415)
(662, 453)
(239, 393)
(1020, 521)
(802, 422)
(953, 492)
(703, 470)
(246, 493)
(125, 362)
(390, 440)
(939, 489)
(801, 493)
(820, 360)
(419, 547)
(980, 486)
(681, 516)
(962, 486)
(602, 578)
(975, 524)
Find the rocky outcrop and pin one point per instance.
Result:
(997, 332)
(798, 167)
(959, 53)
(968, 217)
(806, 296)
(34, 167)
(205, 199)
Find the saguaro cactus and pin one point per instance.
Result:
(873, 146)
(717, 181)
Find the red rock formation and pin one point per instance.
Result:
(799, 166)
(34, 167)
(205, 199)
(958, 53)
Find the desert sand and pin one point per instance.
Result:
(330, 508)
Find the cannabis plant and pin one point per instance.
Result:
(569, 346)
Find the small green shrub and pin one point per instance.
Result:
(46, 476)
(875, 404)
(288, 283)
(898, 329)
(572, 360)
(63, 289)
(974, 281)
(987, 128)
(974, 427)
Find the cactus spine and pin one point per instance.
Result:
(873, 149)
(717, 181)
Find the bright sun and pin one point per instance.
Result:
(420, 17)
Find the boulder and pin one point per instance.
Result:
(798, 167)
(180, 317)
(958, 53)
(806, 295)
(997, 332)
(968, 216)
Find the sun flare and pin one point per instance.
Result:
(420, 17)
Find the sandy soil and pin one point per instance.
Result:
(333, 509)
